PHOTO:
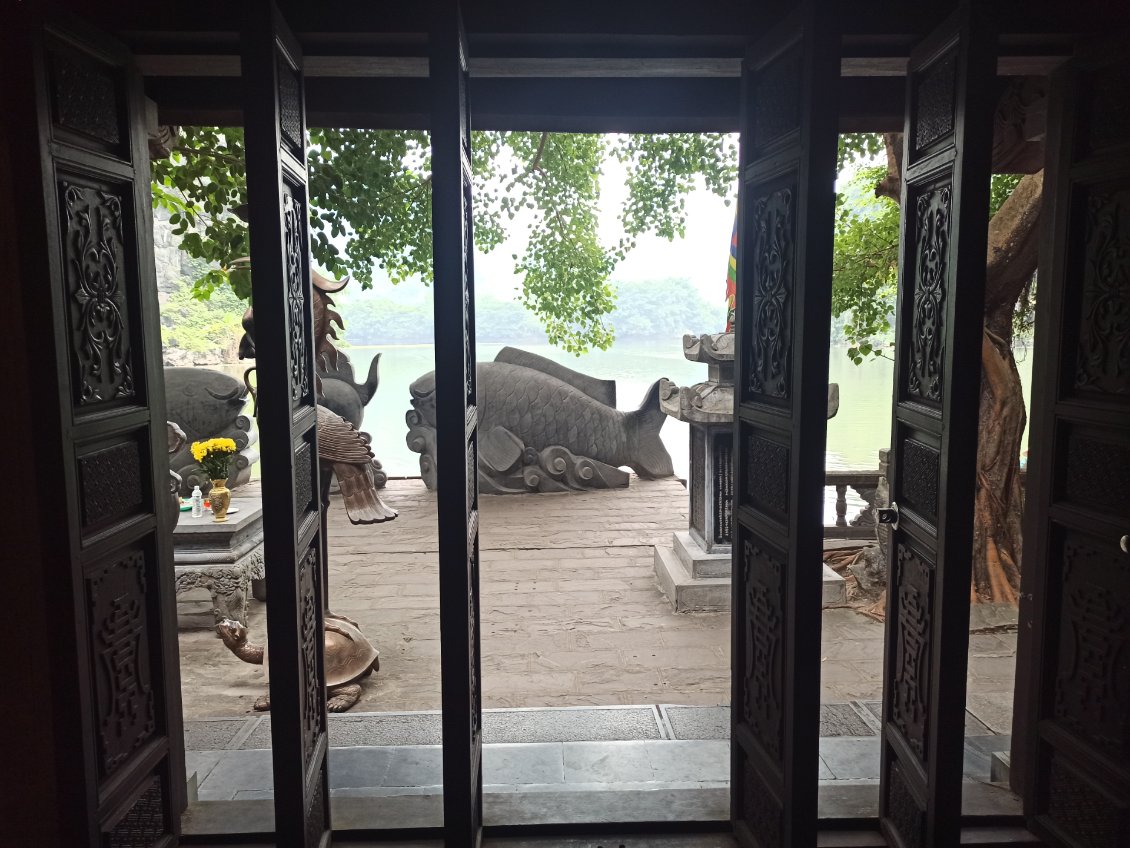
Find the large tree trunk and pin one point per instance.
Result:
(1011, 263)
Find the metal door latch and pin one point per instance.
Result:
(889, 515)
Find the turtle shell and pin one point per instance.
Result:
(349, 655)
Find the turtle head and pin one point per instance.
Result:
(232, 632)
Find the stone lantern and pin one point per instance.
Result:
(695, 571)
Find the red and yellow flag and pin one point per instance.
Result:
(732, 278)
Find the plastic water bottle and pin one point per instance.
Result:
(197, 502)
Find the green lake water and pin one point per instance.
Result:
(861, 427)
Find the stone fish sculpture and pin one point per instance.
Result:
(546, 428)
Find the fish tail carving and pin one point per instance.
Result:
(649, 457)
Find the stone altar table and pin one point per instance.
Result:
(223, 558)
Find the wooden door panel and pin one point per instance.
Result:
(457, 430)
(934, 434)
(101, 338)
(784, 308)
(1073, 685)
(275, 131)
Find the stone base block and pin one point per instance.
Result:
(697, 561)
(687, 593)
(1000, 763)
(681, 571)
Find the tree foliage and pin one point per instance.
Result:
(370, 197)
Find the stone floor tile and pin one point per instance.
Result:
(527, 762)
(358, 767)
(701, 761)
(237, 770)
(415, 765)
(849, 758)
(607, 762)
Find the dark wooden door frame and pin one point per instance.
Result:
(1072, 718)
(947, 152)
(80, 171)
(456, 430)
(280, 256)
(784, 293)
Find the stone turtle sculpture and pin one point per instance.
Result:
(545, 428)
(349, 659)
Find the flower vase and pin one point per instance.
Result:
(221, 500)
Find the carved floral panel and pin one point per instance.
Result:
(145, 822)
(303, 480)
(119, 643)
(776, 98)
(769, 282)
(1095, 475)
(766, 473)
(95, 274)
(1103, 359)
(760, 810)
(918, 479)
(935, 92)
(294, 231)
(110, 483)
(903, 811)
(930, 256)
(86, 96)
(290, 107)
(763, 645)
(1083, 810)
(1092, 677)
(912, 614)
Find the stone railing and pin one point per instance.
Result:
(866, 484)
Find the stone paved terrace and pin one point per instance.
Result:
(571, 614)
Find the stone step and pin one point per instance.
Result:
(697, 561)
(687, 593)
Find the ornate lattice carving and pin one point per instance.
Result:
(927, 320)
(776, 99)
(722, 493)
(303, 480)
(918, 479)
(1107, 118)
(473, 642)
(760, 810)
(471, 476)
(85, 96)
(763, 637)
(1095, 474)
(290, 107)
(933, 117)
(903, 811)
(910, 686)
(146, 821)
(772, 269)
(1103, 363)
(110, 482)
(316, 814)
(467, 284)
(119, 641)
(95, 273)
(767, 474)
(1092, 685)
(313, 687)
(1083, 810)
(698, 479)
(294, 228)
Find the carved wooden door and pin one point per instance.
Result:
(1073, 688)
(275, 133)
(457, 430)
(786, 199)
(950, 83)
(77, 101)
